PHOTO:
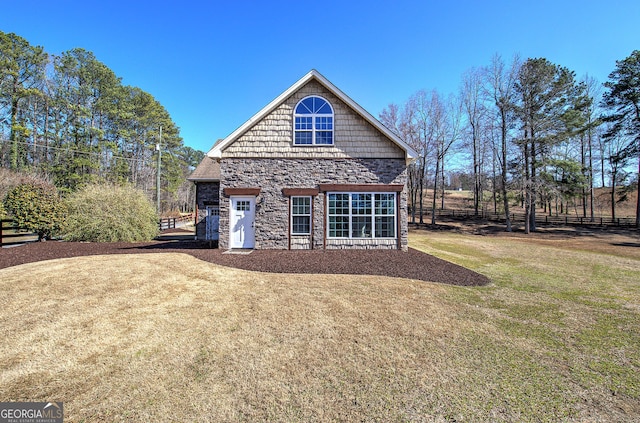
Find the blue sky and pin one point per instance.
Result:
(214, 64)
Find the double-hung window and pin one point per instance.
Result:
(300, 215)
(313, 122)
(362, 215)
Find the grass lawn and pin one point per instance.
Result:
(166, 337)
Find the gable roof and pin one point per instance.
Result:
(207, 171)
(216, 150)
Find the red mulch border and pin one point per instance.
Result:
(413, 264)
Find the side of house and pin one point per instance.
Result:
(311, 170)
(207, 179)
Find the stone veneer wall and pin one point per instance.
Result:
(272, 207)
(207, 194)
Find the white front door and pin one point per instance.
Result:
(212, 223)
(241, 222)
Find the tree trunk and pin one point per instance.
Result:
(613, 201)
(527, 190)
(443, 187)
(421, 186)
(534, 190)
(585, 174)
(590, 149)
(503, 176)
(13, 136)
(476, 172)
(435, 190)
(638, 192)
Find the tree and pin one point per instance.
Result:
(500, 82)
(622, 99)
(37, 207)
(591, 93)
(21, 74)
(446, 122)
(565, 178)
(547, 93)
(475, 113)
(72, 119)
(414, 123)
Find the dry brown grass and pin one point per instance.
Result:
(166, 337)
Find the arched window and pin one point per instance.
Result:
(313, 122)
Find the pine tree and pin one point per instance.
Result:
(623, 101)
(21, 74)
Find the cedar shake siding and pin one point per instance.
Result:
(272, 137)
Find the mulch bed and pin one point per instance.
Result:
(411, 265)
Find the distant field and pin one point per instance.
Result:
(602, 203)
(165, 337)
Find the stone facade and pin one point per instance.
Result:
(272, 205)
(207, 194)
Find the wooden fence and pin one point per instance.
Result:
(10, 234)
(541, 218)
(172, 222)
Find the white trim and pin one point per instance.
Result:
(309, 215)
(373, 216)
(216, 150)
(313, 117)
(247, 242)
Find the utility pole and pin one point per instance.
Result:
(158, 171)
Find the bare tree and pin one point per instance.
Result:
(592, 94)
(446, 128)
(475, 112)
(500, 89)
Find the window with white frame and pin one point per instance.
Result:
(300, 215)
(313, 122)
(361, 215)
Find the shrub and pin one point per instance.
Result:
(105, 213)
(10, 179)
(36, 206)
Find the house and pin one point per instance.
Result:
(311, 170)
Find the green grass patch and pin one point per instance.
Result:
(559, 325)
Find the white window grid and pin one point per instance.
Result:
(243, 205)
(361, 215)
(313, 128)
(300, 215)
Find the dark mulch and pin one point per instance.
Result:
(411, 265)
